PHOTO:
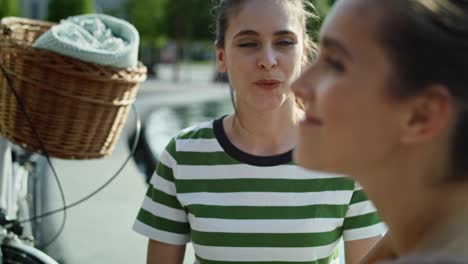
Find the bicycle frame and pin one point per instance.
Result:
(8, 199)
(14, 206)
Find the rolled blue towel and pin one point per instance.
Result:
(96, 38)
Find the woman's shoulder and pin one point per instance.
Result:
(191, 138)
(197, 131)
(429, 258)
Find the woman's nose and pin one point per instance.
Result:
(268, 59)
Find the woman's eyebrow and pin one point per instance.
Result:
(284, 32)
(255, 33)
(330, 43)
(246, 33)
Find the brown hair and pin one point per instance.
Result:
(427, 41)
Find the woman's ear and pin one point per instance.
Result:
(428, 116)
(220, 61)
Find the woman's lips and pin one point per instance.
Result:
(268, 84)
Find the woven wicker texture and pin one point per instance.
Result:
(77, 108)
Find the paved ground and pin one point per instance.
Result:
(99, 230)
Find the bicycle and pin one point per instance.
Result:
(19, 215)
(18, 178)
(20, 205)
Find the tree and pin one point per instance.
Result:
(60, 9)
(189, 19)
(322, 7)
(148, 17)
(8, 8)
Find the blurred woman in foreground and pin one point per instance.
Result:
(387, 104)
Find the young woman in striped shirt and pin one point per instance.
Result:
(229, 185)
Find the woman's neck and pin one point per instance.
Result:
(264, 134)
(415, 203)
(449, 234)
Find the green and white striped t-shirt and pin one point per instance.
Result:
(240, 208)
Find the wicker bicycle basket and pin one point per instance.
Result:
(77, 108)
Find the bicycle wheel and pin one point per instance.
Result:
(15, 252)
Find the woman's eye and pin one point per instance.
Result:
(248, 45)
(285, 43)
(335, 64)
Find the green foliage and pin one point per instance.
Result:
(148, 17)
(189, 19)
(9, 8)
(60, 9)
(322, 7)
(174, 19)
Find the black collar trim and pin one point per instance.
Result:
(244, 157)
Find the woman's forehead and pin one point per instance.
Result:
(353, 31)
(350, 24)
(264, 17)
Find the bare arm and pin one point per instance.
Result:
(162, 253)
(355, 250)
